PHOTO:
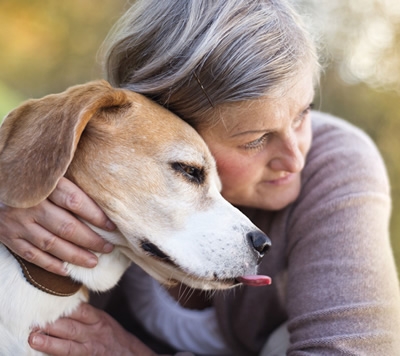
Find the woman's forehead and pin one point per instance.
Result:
(265, 111)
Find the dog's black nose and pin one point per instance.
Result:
(259, 241)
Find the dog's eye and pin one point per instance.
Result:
(194, 174)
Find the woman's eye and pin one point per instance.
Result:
(300, 119)
(192, 173)
(257, 143)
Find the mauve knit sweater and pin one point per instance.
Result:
(333, 272)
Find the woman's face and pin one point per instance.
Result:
(260, 147)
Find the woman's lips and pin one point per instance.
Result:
(287, 178)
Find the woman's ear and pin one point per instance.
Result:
(38, 140)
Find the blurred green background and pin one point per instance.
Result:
(48, 45)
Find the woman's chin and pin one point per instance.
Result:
(266, 196)
(274, 199)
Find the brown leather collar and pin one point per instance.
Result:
(48, 282)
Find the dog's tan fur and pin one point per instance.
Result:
(149, 171)
(98, 109)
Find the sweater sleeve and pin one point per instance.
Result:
(343, 292)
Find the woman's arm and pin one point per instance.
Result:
(343, 293)
(48, 234)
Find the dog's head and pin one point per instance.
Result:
(149, 171)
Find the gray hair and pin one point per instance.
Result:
(193, 55)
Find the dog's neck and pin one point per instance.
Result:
(46, 281)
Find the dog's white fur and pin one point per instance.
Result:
(152, 175)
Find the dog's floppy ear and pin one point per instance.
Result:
(38, 140)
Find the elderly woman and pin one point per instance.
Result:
(243, 74)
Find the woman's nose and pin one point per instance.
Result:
(289, 157)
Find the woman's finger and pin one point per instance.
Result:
(72, 232)
(47, 234)
(55, 346)
(69, 196)
(87, 331)
(84, 324)
(17, 229)
(41, 247)
(68, 329)
(49, 251)
(87, 314)
(75, 335)
(42, 259)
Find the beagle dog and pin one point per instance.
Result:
(152, 175)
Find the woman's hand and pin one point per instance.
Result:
(49, 234)
(88, 331)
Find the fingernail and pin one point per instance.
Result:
(108, 247)
(110, 225)
(64, 271)
(37, 340)
(91, 262)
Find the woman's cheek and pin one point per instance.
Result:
(232, 171)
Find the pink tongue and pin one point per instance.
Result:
(255, 281)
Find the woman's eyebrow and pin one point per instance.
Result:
(309, 103)
(252, 132)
